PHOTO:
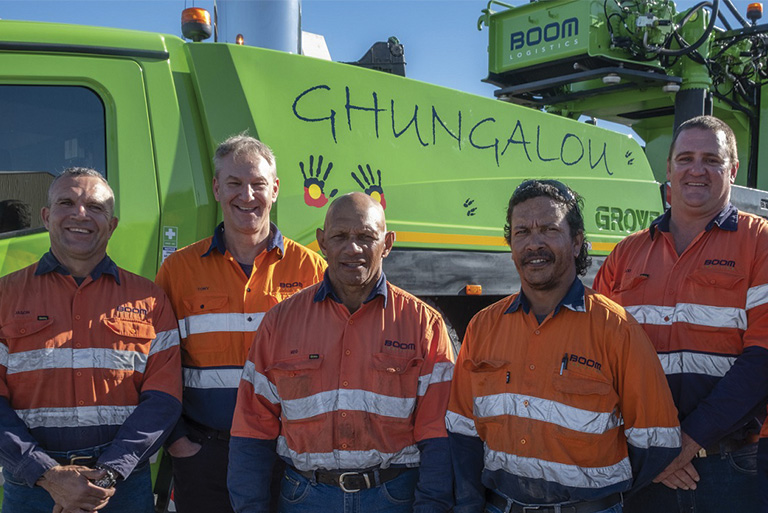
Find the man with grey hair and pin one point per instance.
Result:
(220, 288)
(89, 366)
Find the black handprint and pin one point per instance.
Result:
(370, 187)
(314, 194)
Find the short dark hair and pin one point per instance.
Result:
(74, 172)
(565, 196)
(712, 124)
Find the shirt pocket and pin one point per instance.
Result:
(299, 381)
(583, 407)
(23, 336)
(205, 314)
(630, 288)
(488, 378)
(717, 301)
(397, 377)
(132, 341)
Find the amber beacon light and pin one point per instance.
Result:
(196, 24)
(754, 12)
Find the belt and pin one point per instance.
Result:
(86, 457)
(578, 507)
(207, 432)
(353, 481)
(727, 446)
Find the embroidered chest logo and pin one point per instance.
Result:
(583, 360)
(399, 345)
(720, 262)
(128, 309)
(291, 285)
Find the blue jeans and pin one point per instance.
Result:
(728, 483)
(301, 495)
(134, 495)
(490, 508)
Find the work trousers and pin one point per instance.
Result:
(728, 484)
(133, 495)
(299, 494)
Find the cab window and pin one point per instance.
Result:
(44, 130)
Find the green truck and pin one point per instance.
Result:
(149, 109)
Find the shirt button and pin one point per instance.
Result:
(666, 318)
(77, 345)
(712, 282)
(537, 332)
(347, 352)
(77, 317)
(525, 403)
(523, 441)
(22, 331)
(78, 373)
(343, 414)
(345, 383)
(531, 366)
(343, 446)
(81, 403)
(351, 321)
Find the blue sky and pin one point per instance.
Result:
(442, 43)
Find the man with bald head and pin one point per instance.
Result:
(347, 382)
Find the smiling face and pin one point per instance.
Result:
(355, 240)
(246, 187)
(80, 221)
(700, 173)
(542, 247)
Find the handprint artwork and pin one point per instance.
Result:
(369, 185)
(314, 185)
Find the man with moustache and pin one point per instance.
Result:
(347, 381)
(697, 281)
(89, 366)
(549, 408)
(220, 288)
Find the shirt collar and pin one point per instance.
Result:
(275, 240)
(326, 290)
(573, 300)
(727, 219)
(49, 263)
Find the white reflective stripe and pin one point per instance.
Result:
(645, 438)
(441, 373)
(60, 358)
(357, 400)
(209, 323)
(576, 419)
(211, 378)
(757, 296)
(703, 315)
(81, 416)
(164, 340)
(408, 456)
(685, 362)
(566, 475)
(460, 424)
(261, 385)
(3, 355)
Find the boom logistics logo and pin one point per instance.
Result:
(537, 40)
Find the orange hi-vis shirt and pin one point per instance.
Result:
(83, 366)
(347, 391)
(573, 409)
(706, 313)
(219, 309)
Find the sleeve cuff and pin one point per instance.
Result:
(33, 466)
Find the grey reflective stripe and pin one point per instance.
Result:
(60, 358)
(209, 323)
(81, 416)
(408, 456)
(164, 340)
(685, 362)
(261, 385)
(703, 315)
(211, 378)
(441, 373)
(460, 424)
(645, 438)
(3, 355)
(566, 475)
(357, 400)
(576, 419)
(757, 296)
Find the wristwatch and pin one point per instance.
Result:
(109, 480)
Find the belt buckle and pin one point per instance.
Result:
(74, 459)
(345, 474)
(702, 453)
